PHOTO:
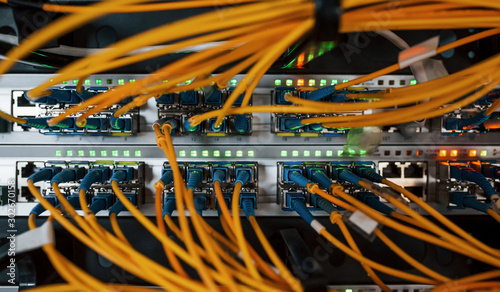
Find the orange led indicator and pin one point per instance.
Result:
(473, 153)
(454, 153)
(442, 153)
(300, 82)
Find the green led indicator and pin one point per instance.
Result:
(348, 290)
(239, 153)
(87, 82)
(65, 82)
(126, 153)
(114, 153)
(138, 153)
(92, 153)
(251, 153)
(69, 153)
(277, 82)
(335, 82)
(104, 153)
(310, 57)
(483, 153)
(98, 81)
(362, 152)
(307, 153)
(295, 153)
(216, 153)
(234, 82)
(227, 153)
(109, 81)
(75, 81)
(413, 82)
(312, 82)
(317, 153)
(204, 153)
(58, 153)
(194, 153)
(329, 153)
(289, 82)
(182, 153)
(81, 153)
(284, 153)
(121, 81)
(131, 80)
(345, 80)
(340, 152)
(322, 82)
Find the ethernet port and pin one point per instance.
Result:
(417, 191)
(26, 195)
(391, 171)
(29, 169)
(414, 171)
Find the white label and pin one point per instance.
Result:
(35, 238)
(364, 222)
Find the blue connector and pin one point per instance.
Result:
(189, 128)
(167, 176)
(248, 196)
(243, 175)
(321, 93)
(295, 175)
(347, 175)
(42, 100)
(291, 124)
(213, 96)
(69, 174)
(118, 205)
(240, 98)
(212, 127)
(248, 206)
(464, 200)
(465, 124)
(241, 124)
(169, 206)
(45, 174)
(74, 201)
(101, 201)
(463, 173)
(95, 175)
(166, 99)
(338, 167)
(219, 174)
(189, 97)
(280, 94)
(122, 124)
(39, 209)
(320, 203)
(122, 174)
(299, 205)
(368, 173)
(374, 202)
(84, 95)
(315, 128)
(490, 171)
(194, 177)
(320, 177)
(97, 124)
(200, 203)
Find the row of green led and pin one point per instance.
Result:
(121, 81)
(251, 153)
(103, 153)
(312, 82)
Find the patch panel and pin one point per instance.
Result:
(290, 124)
(184, 105)
(97, 189)
(412, 175)
(477, 179)
(227, 172)
(102, 124)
